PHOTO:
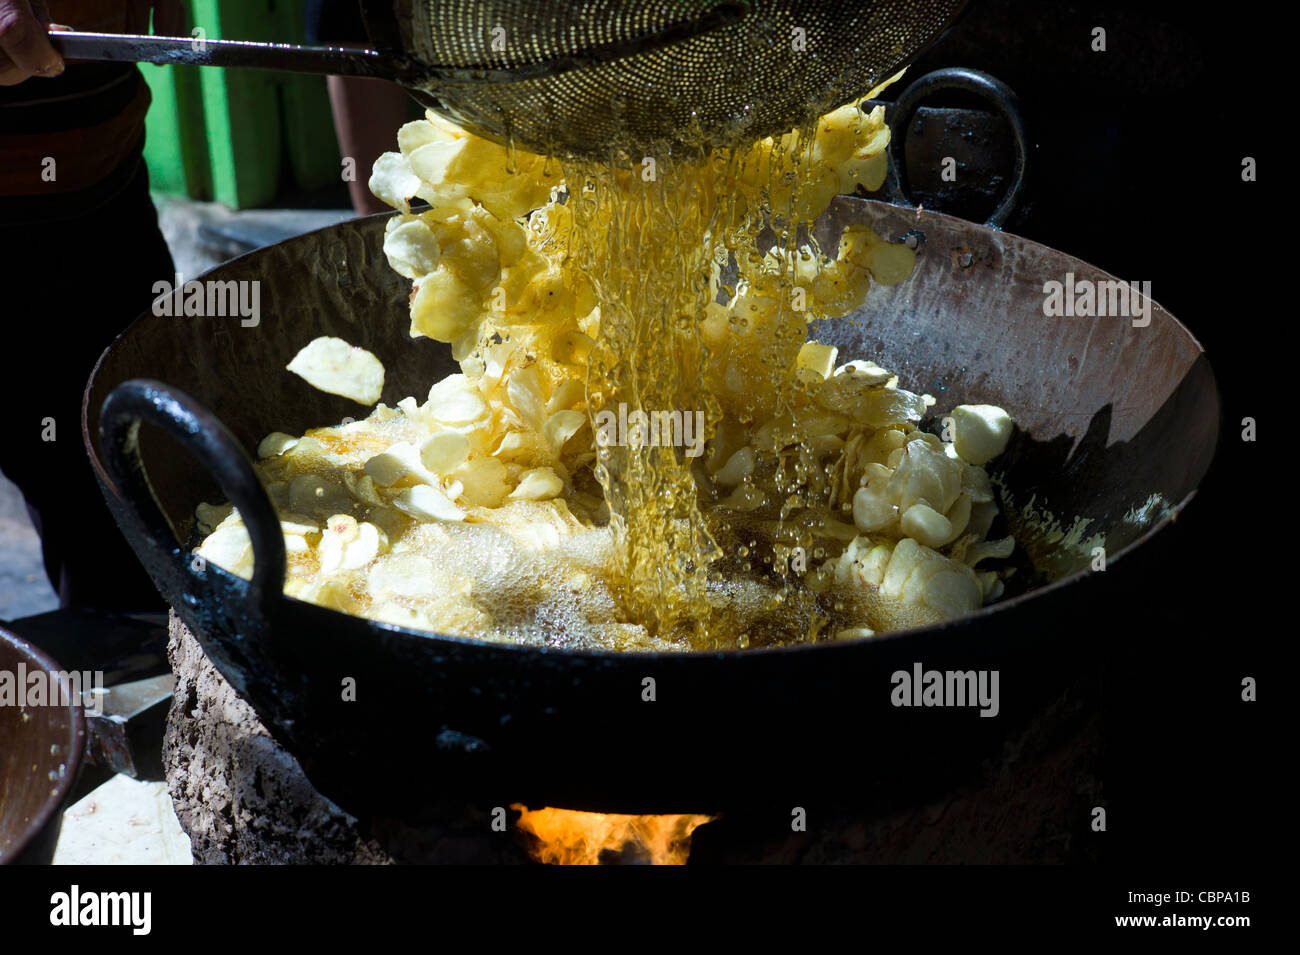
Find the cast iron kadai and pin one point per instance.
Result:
(1108, 414)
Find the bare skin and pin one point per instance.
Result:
(25, 49)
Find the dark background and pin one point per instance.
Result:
(1136, 168)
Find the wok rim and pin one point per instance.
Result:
(921, 218)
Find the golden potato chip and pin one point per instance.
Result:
(334, 366)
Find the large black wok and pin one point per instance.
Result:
(1108, 415)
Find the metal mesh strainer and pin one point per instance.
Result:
(782, 63)
(584, 78)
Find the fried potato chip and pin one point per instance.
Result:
(334, 366)
(411, 246)
(392, 180)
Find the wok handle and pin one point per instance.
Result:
(983, 85)
(211, 443)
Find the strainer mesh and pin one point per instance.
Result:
(785, 62)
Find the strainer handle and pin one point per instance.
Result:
(377, 64)
(202, 435)
(981, 84)
(200, 51)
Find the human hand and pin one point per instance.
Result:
(25, 48)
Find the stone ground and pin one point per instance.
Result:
(24, 588)
(126, 821)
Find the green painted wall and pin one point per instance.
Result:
(240, 136)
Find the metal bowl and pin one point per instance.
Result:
(40, 753)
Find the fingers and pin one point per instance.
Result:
(24, 46)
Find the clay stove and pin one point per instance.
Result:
(242, 798)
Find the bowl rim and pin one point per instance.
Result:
(76, 748)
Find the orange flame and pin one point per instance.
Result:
(569, 837)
